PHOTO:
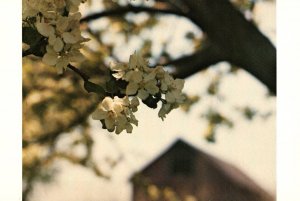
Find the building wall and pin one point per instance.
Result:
(195, 173)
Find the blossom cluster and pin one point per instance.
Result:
(117, 113)
(59, 22)
(145, 82)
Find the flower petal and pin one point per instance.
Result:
(129, 128)
(178, 84)
(150, 76)
(151, 87)
(61, 64)
(132, 61)
(131, 88)
(99, 115)
(170, 97)
(107, 104)
(69, 38)
(45, 29)
(50, 59)
(142, 94)
(109, 123)
(58, 45)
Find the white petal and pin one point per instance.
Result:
(76, 16)
(121, 120)
(58, 45)
(150, 76)
(119, 129)
(117, 108)
(99, 115)
(62, 24)
(125, 101)
(61, 64)
(50, 59)
(45, 29)
(135, 102)
(50, 49)
(170, 97)
(162, 113)
(132, 61)
(178, 84)
(129, 128)
(118, 75)
(52, 39)
(168, 79)
(151, 87)
(133, 120)
(163, 86)
(142, 94)
(137, 76)
(69, 38)
(109, 123)
(133, 76)
(118, 67)
(131, 88)
(107, 103)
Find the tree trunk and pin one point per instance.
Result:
(238, 40)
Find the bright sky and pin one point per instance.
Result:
(249, 145)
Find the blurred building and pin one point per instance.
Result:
(186, 173)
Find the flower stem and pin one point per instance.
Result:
(79, 72)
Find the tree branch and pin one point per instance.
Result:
(239, 40)
(200, 60)
(79, 72)
(26, 53)
(134, 9)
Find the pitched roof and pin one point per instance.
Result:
(226, 169)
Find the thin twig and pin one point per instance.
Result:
(26, 52)
(124, 10)
(84, 76)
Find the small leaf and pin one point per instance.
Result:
(111, 86)
(30, 36)
(151, 102)
(40, 48)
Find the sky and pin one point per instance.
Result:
(250, 146)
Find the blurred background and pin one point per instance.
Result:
(229, 115)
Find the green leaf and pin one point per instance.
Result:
(151, 102)
(40, 48)
(35, 40)
(92, 87)
(111, 86)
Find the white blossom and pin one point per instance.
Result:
(117, 113)
(63, 32)
(145, 82)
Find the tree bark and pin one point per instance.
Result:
(239, 40)
(232, 38)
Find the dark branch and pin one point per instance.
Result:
(200, 60)
(26, 53)
(76, 70)
(79, 72)
(239, 40)
(134, 9)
